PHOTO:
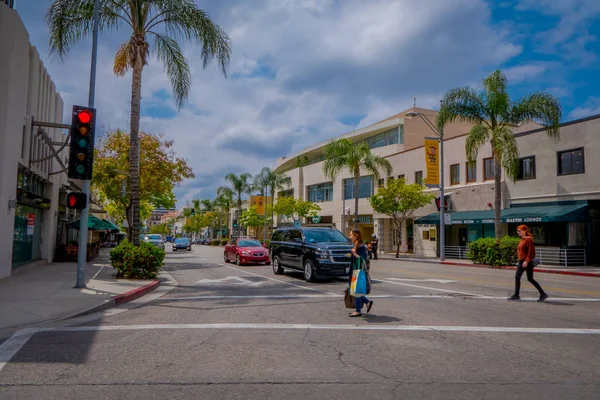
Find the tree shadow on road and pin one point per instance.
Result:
(380, 319)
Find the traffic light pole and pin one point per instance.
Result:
(83, 221)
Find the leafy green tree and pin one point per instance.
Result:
(494, 116)
(399, 201)
(260, 184)
(295, 209)
(251, 219)
(225, 201)
(240, 185)
(166, 21)
(277, 181)
(354, 157)
(160, 229)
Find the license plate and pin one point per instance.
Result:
(347, 269)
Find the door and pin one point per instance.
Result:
(462, 237)
(294, 249)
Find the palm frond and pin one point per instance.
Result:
(372, 164)
(122, 59)
(497, 101)
(462, 104)
(476, 138)
(505, 145)
(539, 107)
(336, 157)
(169, 53)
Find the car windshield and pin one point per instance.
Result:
(181, 240)
(323, 236)
(154, 237)
(248, 243)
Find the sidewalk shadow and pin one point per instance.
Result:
(380, 319)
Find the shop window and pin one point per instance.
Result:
(471, 171)
(577, 233)
(571, 162)
(455, 174)
(320, 193)
(365, 187)
(526, 168)
(488, 168)
(419, 177)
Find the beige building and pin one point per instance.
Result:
(469, 189)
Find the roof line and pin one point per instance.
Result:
(575, 121)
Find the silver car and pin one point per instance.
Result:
(155, 239)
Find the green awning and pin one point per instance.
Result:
(520, 215)
(96, 224)
(113, 227)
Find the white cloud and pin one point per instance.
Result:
(298, 67)
(521, 73)
(591, 107)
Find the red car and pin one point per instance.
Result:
(246, 251)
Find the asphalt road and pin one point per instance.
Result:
(229, 332)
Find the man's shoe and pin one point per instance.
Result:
(514, 297)
(543, 297)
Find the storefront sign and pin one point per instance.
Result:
(432, 162)
(259, 202)
(316, 219)
(30, 223)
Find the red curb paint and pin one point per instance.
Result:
(542, 270)
(135, 293)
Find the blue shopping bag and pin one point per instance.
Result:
(358, 283)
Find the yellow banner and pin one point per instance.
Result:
(432, 162)
(259, 202)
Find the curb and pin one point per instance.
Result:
(509, 267)
(119, 299)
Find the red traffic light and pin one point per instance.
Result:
(84, 116)
(76, 200)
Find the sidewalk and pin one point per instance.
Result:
(589, 271)
(46, 292)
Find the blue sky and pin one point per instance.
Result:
(304, 71)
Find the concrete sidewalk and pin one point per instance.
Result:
(590, 271)
(45, 292)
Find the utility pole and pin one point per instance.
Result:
(83, 221)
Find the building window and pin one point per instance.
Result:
(320, 193)
(455, 174)
(401, 176)
(488, 168)
(365, 187)
(387, 138)
(381, 183)
(571, 162)
(419, 177)
(526, 168)
(471, 171)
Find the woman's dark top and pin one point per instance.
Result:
(362, 252)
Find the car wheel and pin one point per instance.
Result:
(189, 249)
(309, 272)
(225, 258)
(277, 270)
(237, 260)
(174, 249)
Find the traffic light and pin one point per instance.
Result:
(193, 212)
(235, 223)
(76, 200)
(81, 156)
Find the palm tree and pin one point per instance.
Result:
(165, 21)
(225, 199)
(206, 205)
(494, 115)
(239, 186)
(301, 162)
(277, 181)
(260, 184)
(345, 154)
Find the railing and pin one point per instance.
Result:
(547, 255)
(457, 252)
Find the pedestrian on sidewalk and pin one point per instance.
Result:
(359, 250)
(526, 255)
(374, 245)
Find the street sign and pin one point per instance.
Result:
(316, 219)
(30, 223)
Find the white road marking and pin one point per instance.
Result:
(377, 296)
(423, 280)
(12, 345)
(238, 279)
(425, 287)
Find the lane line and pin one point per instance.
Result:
(377, 296)
(425, 287)
(12, 345)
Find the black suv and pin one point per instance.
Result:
(316, 251)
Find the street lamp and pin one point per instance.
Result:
(440, 133)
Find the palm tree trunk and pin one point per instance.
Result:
(272, 204)
(356, 177)
(497, 196)
(239, 213)
(134, 155)
(263, 194)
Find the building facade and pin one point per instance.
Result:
(557, 192)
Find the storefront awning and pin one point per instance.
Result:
(520, 215)
(96, 224)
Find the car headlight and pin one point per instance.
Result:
(323, 254)
(245, 253)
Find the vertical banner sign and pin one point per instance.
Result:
(432, 162)
(259, 202)
(30, 223)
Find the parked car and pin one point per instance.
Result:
(246, 251)
(317, 251)
(154, 239)
(182, 243)
(169, 239)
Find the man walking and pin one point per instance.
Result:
(374, 245)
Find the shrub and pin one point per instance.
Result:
(224, 241)
(490, 251)
(215, 242)
(267, 242)
(131, 262)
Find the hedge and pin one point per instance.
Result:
(142, 262)
(494, 252)
(224, 241)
